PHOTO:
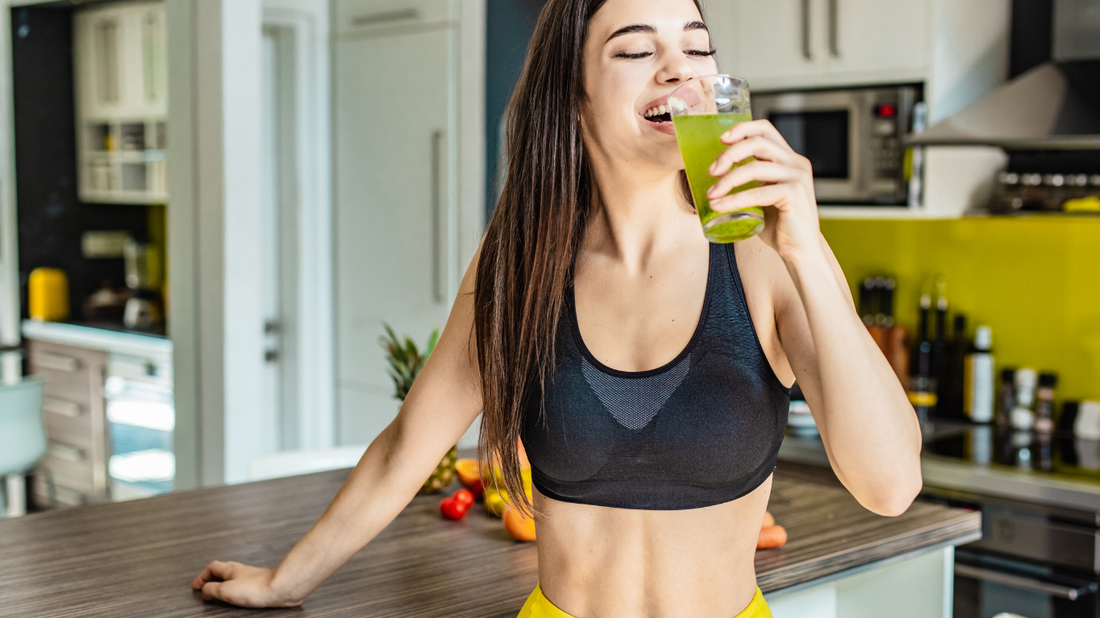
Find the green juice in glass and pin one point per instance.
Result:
(699, 144)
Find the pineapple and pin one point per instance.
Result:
(405, 363)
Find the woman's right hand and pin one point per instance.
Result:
(241, 585)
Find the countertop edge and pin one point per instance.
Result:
(971, 478)
(99, 339)
(965, 529)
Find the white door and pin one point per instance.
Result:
(394, 208)
(780, 39)
(882, 36)
(279, 273)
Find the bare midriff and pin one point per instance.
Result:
(634, 563)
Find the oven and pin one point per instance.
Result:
(852, 137)
(1036, 559)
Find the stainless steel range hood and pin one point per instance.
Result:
(1053, 106)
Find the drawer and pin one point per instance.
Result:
(76, 432)
(66, 495)
(140, 369)
(67, 470)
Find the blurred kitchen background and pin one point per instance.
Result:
(208, 208)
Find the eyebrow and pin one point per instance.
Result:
(647, 29)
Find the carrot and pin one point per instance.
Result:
(769, 519)
(771, 536)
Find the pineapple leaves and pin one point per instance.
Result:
(405, 361)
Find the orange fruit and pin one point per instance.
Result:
(468, 471)
(518, 525)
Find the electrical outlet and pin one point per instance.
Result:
(102, 244)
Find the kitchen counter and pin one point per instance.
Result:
(138, 558)
(110, 338)
(999, 481)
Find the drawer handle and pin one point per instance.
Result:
(56, 362)
(375, 19)
(62, 407)
(65, 452)
(1025, 583)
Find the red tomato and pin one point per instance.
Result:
(477, 489)
(464, 496)
(452, 509)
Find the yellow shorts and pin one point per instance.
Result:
(538, 606)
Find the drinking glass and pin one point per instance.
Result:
(702, 110)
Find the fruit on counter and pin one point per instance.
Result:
(443, 475)
(453, 508)
(464, 496)
(495, 501)
(769, 519)
(770, 537)
(518, 525)
(468, 471)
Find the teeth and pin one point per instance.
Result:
(656, 111)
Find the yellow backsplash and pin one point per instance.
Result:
(1035, 281)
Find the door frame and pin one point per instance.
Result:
(304, 23)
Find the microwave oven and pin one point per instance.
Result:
(852, 137)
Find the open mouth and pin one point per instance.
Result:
(658, 114)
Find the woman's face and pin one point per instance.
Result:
(637, 52)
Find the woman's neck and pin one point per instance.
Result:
(637, 216)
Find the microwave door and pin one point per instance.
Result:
(824, 128)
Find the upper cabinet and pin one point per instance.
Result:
(121, 61)
(121, 80)
(783, 44)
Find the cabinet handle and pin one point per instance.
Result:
(807, 53)
(68, 453)
(107, 54)
(834, 28)
(56, 362)
(150, 42)
(374, 19)
(1025, 583)
(437, 216)
(62, 407)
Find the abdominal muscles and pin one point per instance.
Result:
(599, 561)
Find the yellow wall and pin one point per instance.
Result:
(1035, 281)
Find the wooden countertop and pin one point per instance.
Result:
(138, 558)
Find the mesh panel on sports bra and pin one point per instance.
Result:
(703, 429)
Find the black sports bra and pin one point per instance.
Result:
(703, 429)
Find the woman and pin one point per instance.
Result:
(645, 369)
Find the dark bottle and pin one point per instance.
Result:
(939, 344)
(1044, 403)
(953, 372)
(1006, 397)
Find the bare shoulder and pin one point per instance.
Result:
(768, 291)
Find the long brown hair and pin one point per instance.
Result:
(531, 242)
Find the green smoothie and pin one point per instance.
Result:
(700, 146)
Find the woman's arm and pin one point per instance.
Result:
(870, 431)
(441, 405)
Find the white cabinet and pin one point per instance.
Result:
(783, 44)
(121, 80)
(397, 191)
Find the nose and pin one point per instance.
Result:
(676, 69)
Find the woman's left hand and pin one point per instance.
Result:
(791, 226)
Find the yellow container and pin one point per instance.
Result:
(48, 295)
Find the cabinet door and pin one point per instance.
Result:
(780, 41)
(879, 40)
(394, 105)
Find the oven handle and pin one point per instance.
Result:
(1027, 583)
